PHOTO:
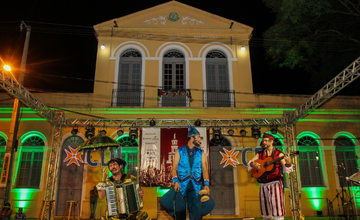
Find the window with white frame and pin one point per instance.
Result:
(310, 162)
(128, 92)
(217, 92)
(174, 78)
(30, 164)
(346, 158)
(217, 78)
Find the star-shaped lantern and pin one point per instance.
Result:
(229, 157)
(73, 156)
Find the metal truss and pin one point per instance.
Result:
(348, 75)
(295, 193)
(12, 86)
(260, 122)
(52, 173)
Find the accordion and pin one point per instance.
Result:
(123, 199)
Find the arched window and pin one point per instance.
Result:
(310, 162)
(31, 159)
(174, 79)
(130, 153)
(220, 142)
(217, 92)
(2, 151)
(129, 92)
(33, 141)
(73, 141)
(2, 141)
(345, 158)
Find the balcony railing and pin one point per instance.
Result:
(174, 98)
(134, 97)
(219, 98)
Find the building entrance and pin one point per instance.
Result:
(70, 177)
(222, 179)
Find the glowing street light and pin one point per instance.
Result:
(7, 68)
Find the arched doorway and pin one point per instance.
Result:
(130, 153)
(70, 177)
(222, 179)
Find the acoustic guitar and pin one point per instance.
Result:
(267, 166)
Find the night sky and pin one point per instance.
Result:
(62, 52)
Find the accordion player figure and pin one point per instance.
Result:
(122, 193)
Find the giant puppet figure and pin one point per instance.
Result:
(271, 193)
(188, 164)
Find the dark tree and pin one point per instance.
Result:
(321, 37)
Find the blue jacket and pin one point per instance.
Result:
(187, 173)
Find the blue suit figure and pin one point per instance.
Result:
(188, 164)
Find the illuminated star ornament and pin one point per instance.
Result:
(229, 157)
(73, 156)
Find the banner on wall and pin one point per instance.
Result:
(157, 150)
(4, 172)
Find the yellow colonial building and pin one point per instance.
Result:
(174, 61)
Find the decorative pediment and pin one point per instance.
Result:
(174, 14)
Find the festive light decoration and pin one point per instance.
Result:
(174, 92)
(73, 156)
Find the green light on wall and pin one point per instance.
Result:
(330, 120)
(23, 204)
(315, 195)
(25, 119)
(354, 190)
(24, 196)
(160, 191)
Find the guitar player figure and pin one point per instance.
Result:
(271, 193)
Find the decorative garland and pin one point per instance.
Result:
(174, 93)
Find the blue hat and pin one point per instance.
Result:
(192, 131)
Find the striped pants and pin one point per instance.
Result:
(272, 200)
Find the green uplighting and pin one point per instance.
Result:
(22, 204)
(9, 110)
(354, 190)
(315, 195)
(24, 190)
(160, 191)
(23, 196)
(330, 120)
(25, 119)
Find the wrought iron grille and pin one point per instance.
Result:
(219, 98)
(176, 101)
(128, 97)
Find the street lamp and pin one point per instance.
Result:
(12, 140)
(7, 68)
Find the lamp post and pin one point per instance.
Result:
(6, 175)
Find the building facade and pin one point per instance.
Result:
(174, 61)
